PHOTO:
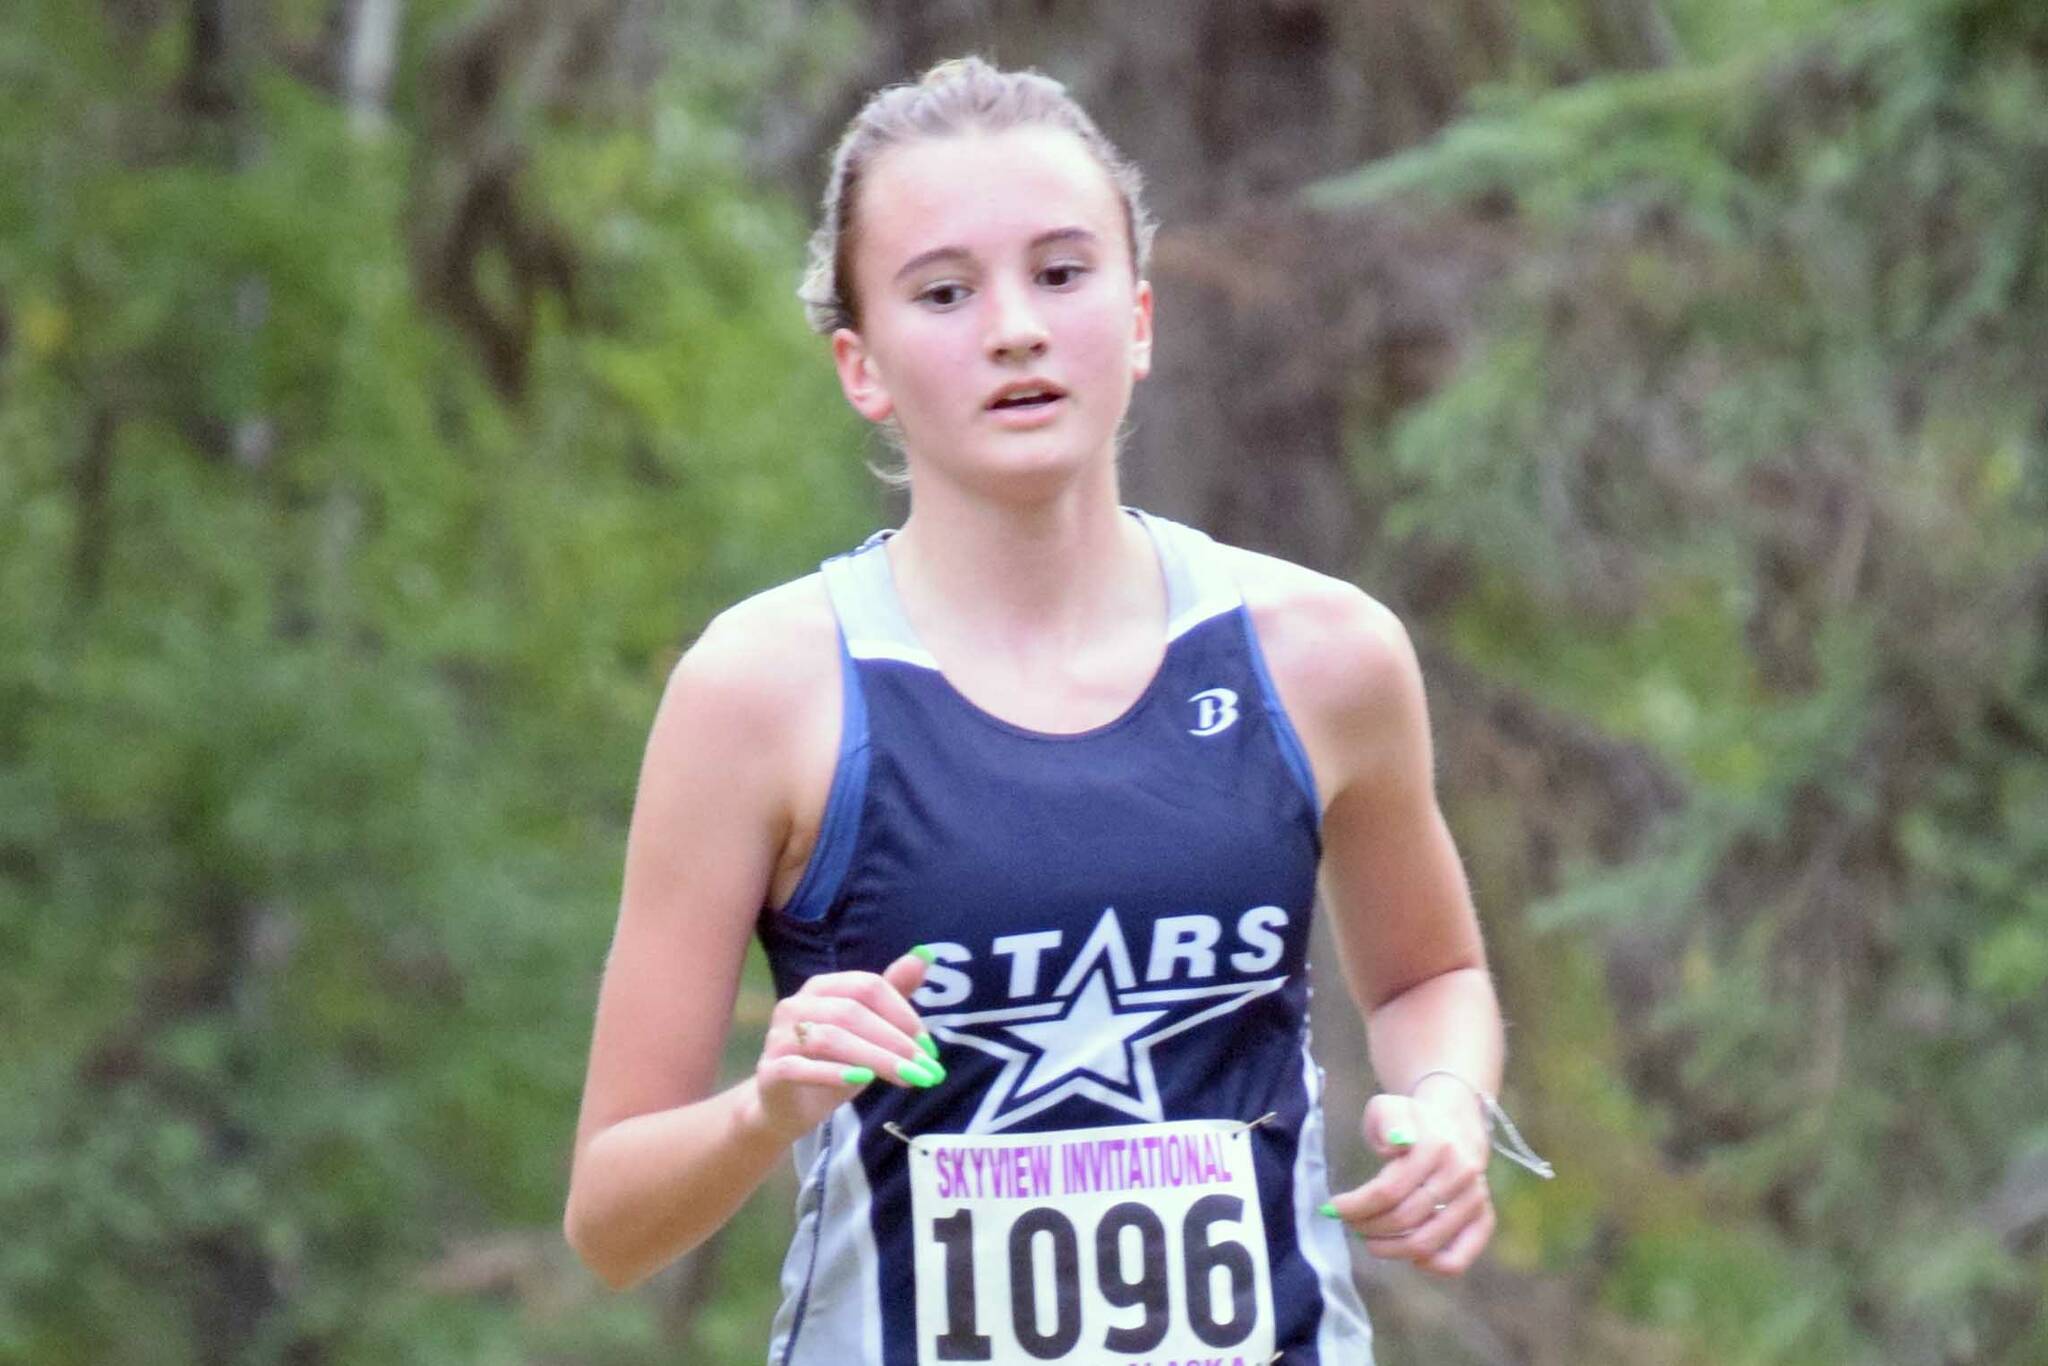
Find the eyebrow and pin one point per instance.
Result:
(925, 258)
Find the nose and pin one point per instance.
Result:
(1016, 332)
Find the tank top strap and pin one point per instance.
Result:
(1199, 584)
(871, 618)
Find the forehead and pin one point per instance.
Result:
(982, 191)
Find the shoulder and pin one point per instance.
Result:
(1341, 647)
(759, 668)
(1342, 661)
(755, 639)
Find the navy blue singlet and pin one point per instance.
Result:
(1124, 1162)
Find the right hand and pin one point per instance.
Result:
(851, 1020)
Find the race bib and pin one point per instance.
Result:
(1140, 1245)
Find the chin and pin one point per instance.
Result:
(1019, 474)
(1053, 462)
(1016, 466)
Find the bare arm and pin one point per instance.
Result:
(1402, 914)
(1404, 918)
(661, 1160)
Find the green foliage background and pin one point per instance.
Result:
(324, 669)
(320, 706)
(1748, 469)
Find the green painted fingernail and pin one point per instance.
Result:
(926, 952)
(918, 1072)
(929, 1045)
(1400, 1138)
(1327, 1210)
(857, 1076)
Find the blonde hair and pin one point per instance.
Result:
(962, 95)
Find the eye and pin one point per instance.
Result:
(944, 294)
(1063, 275)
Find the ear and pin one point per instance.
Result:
(1141, 331)
(858, 378)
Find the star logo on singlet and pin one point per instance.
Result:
(1094, 1039)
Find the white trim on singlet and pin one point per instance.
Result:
(1199, 586)
(803, 1245)
(831, 1279)
(1345, 1333)
(884, 649)
(870, 614)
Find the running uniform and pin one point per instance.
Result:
(1125, 1160)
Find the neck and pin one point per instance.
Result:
(1061, 567)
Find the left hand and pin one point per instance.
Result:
(1429, 1204)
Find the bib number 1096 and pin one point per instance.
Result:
(1068, 1246)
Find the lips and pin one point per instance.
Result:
(1026, 395)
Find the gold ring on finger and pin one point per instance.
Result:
(803, 1035)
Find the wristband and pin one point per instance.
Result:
(1513, 1146)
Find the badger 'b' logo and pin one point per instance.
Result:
(1215, 710)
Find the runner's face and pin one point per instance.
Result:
(983, 262)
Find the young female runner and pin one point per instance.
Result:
(1037, 792)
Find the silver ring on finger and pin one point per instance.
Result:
(1437, 1204)
(803, 1035)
